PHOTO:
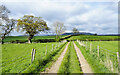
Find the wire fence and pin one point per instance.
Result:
(106, 57)
(27, 57)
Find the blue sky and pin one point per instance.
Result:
(96, 17)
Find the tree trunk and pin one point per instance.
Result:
(2, 38)
(29, 38)
(2, 41)
(29, 41)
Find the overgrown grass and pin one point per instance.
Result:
(93, 60)
(70, 63)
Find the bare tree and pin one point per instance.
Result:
(59, 29)
(75, 30)
(6, 24)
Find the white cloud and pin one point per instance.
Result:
(100, 17)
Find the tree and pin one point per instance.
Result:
(75, 30)
(6, 24)
(31, 25)
(59, 29)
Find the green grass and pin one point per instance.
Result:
(17, 57)
(108, 51)
(70, 63)
(92, 37)
(14, 38)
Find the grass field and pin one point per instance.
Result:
(16, 58)
(80, 37)
(14, 38)
(92, 37)
(70, 63)
(106, 62)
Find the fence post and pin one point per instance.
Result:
(98, 50)
(118, 56)
(46, 51)
(90, 47)
(86, 45)
(111, 65)
(118, 63)
(52, 47)
(59, 44)
(33, 55)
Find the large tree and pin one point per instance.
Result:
(6, 24)
(31, 25)
(59, 29)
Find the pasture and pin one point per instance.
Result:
(102, 56)
(16, 58)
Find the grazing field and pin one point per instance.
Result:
(101, 55)
(24, 38)
(93, 37)
(70, 63)
(16, 58)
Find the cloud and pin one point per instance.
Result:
(98, 17)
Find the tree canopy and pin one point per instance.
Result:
(31, 25)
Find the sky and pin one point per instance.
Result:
(87, 16)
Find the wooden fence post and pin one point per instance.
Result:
(90, 47)
(56, 46)
(118, 56)
(111, 66)
(33, 55)
(98, 50)
(118, 62)
(46, 51)
(52, 47)
(59, 44)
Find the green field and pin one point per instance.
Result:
(80, 37)
(70, 63)
(16, 58)
(101, 55)
(93, 37)
(24, 38)
(107, 61)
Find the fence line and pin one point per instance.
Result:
(100, 52)
(33, 54)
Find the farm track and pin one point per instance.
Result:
(56, 65)
(84, 64)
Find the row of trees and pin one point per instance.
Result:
(29, 24)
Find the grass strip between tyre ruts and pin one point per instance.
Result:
(70, 63)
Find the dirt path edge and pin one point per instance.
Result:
(84, 64)
(55, 67)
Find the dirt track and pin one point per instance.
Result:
(84, 64)
(56, 65)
